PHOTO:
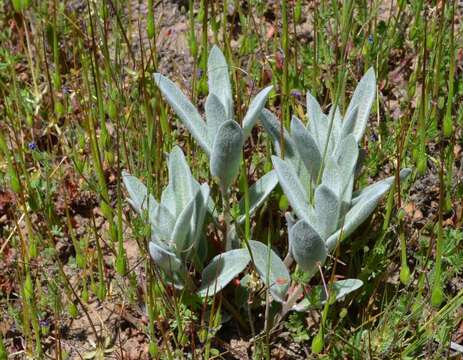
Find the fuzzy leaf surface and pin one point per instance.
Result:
(332, 176)
(316, 116)
(141, 200)
(380, 187)
(271, 269)
(327, 207)
(185, 110)
(258, 192)
(162, 223)
(219, 79)
(164, 258)
(348, 124)
(221, 270)
(337, 123)
(215, 115)
(341, 289)
(184, 186)
(226, 153)
(363, 98)
(182, 229)
(272, 126)
(347, 154)
(254, 111)
(307, 247)
(292, 187)
(362, 209)
(307, 147)
(199, 215)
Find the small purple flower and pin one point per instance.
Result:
(296, 93)
(370, 39)
(199, 73)
(32, 146)
(44, 323)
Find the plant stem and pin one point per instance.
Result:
(285, 80)
(227, 219)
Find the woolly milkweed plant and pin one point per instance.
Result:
(317, 174)
(178, 220)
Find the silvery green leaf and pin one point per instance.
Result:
(347, 153)
(348, 124)
(138, 193)
(292, 187)
(332, 176)
(184, 186)
(346, 199)
(337, 123)
(215, 114)
(353, 219)
(189, 224)
(274, 273)
(164, 258)
(363, 97)
(258, 192)
(185, 111)
(219, 80)
(341, 288)
(160, 218)
(379, 187)
(325, 135)
(226, 153)
(307, 147)
(199, 215)
(327, 211)
(162, 223)
(340, 169)
(316, 116)
(319, 125)
(182, 230)
(345, 287)
(168, 198)
(254, 111)
(362, 209)
(221, 270)
(307, 247)
(272, 125)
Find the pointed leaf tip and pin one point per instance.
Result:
(185, 110)
(255, 109)
(363, 97)
(219, 80)
(292, 187)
